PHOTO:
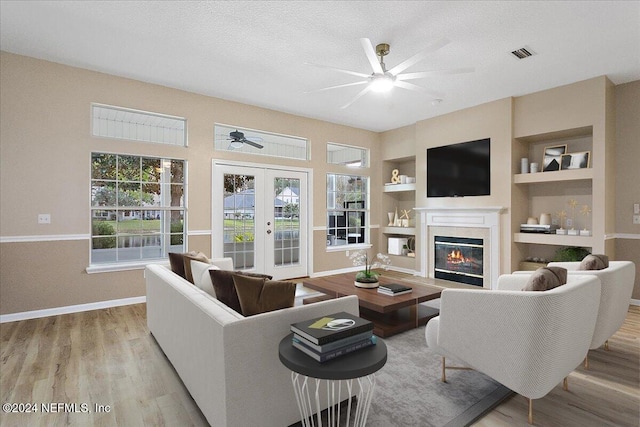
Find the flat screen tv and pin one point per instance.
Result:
(460, 169)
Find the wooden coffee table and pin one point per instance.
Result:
(390, 314)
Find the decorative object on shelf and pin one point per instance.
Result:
(524, 165)
(534, 167)
(572, 204)
(570, 253)
(575, 160)
(532, 220)
(367, 278)
(552, 157)
(561, 215)
(396, 219)
(411, 180)
(403, 179)
(404, 217)
(545, 219)
(585, 210)
(395, 179)
(391, 220)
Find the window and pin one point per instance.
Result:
(124, 123)
(232, 138)
(355, 157)
(347, 209)
(137, 207)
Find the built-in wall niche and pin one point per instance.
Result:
(555, 197)
(581, 141)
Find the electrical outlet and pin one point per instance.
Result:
(346, 253)
(569, 222)
(44, 219)
(636, 219)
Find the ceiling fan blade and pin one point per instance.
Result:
(418, 56)
(365, 90)
(411, 86)
(253, 144)
(254, 138)
(371, 55)
(340, 70)
(338, 86)
(422, 74)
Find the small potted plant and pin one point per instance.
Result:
(367, 278)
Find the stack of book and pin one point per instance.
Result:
(332, 336)
(393, 289)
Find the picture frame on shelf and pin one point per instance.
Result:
(552, 157)
(580, 160)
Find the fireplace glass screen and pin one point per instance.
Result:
(459, 259)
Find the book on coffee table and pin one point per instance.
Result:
(394, 289)
(331, 328)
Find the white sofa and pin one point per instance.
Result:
(526, 340)
(228, 363)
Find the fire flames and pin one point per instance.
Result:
(456, 257)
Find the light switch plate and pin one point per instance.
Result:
(636, 208)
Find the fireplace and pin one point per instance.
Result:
(459, 259)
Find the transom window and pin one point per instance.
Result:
(232, 138)
(355, 157)
(125, 123)
(137, 207)
(347, 209)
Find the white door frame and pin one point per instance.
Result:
(217, 233)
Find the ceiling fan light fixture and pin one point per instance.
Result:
(382, 83)
(236, 144)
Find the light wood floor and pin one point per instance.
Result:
(108, 357)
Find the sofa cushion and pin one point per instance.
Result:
(187, 263)
(224, 288)
(178, 265)
(201, 276)
(594, 262)
(546, 278)
(259, 295)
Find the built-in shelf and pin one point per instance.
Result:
(391, 188)
(553, 239)
(555, 176)
(403, 231)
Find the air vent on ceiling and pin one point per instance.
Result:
(522, 53)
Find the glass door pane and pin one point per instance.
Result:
(239, 212)
(286, 213)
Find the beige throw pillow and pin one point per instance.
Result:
(546, 278)
(594, 262)
(259, 295)
(201, 276)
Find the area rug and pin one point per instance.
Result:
(409, 391)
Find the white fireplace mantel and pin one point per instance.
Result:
(473, 217)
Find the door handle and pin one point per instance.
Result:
(268, 231)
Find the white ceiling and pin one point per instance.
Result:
(255, 52)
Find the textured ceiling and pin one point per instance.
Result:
(256, 52)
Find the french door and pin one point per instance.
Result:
(260, 219)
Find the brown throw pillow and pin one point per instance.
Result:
(177, 262)
(225, 289)
(546, 278)
(594, 262)
(187, 258)
(259, 295)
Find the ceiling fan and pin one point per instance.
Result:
(382, 80)
(238, 139)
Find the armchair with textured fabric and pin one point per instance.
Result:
(529, 341)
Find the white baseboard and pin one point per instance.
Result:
(36, 314)
(635, 302)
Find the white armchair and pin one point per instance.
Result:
(528, 341)
(616, 288)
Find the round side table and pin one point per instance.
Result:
(307, 374)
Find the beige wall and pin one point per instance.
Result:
(491, 120)
(628, 174)
(45, 147)
(45, 165)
